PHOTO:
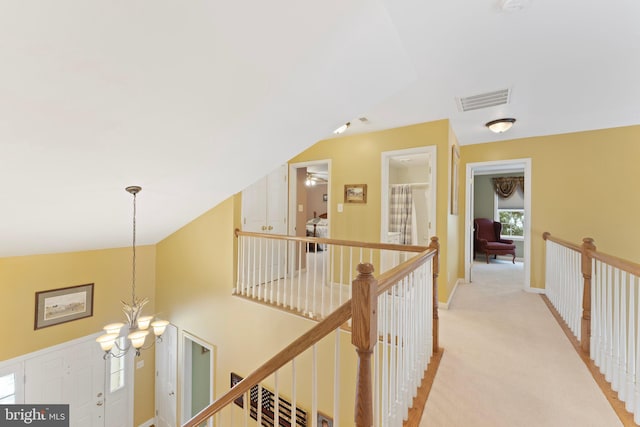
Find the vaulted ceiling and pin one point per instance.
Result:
(195, 100)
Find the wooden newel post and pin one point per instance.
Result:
(585, 332)
(435, 244)
(364, 335)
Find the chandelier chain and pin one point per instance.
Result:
(133, 278)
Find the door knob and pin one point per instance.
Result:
(171, 393)
(99, 395)
(99, 403)
(264, 227)
(270, 228)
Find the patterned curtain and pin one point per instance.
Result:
(400, 208)
(506, 186)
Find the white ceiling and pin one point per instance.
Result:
(195, 100)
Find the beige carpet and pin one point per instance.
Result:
(507, 362)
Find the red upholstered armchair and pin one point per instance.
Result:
(487, 239)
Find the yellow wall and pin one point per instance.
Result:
(195, 277)
(583, 185)
(109, 270)
(357, 159)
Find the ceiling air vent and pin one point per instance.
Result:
(484, 100)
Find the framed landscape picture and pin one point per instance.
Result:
(355, 193)
(63, 305)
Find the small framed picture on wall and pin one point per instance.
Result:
(355, 193)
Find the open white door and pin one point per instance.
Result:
(166, 378)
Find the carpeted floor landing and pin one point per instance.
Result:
(507, 363)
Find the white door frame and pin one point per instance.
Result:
(187, 338)
(432, 150)
(498, 166)
(293, 193)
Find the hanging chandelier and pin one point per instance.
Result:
(138, 324)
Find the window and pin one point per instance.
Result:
(116, 368)
(8, 389)
(512, 221)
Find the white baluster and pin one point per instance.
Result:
(622, 352)
(336, 380)
(631, 345)
(615, 341)
(300, 249)
(314, 385)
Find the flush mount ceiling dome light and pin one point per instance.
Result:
(500, 125)
(342, 128)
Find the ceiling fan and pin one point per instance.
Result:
(313, 179)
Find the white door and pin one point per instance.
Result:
(264, 210)
(276, 211)
(72, 375)
(166, 378)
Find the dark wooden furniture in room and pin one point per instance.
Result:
(486, 233)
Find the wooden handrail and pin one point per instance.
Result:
(311, 337)
(547, 236)
(619, 263)
(390, 277)
(351, 243)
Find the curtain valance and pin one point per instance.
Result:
(505, 186)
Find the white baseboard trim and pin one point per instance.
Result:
(535, 290)
(445, 305)
(148, 423)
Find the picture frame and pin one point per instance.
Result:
(325, 198)
(455, 162)
(62, 305)
(355, 193)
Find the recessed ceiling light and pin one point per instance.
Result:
(500, 125)
(342, 128)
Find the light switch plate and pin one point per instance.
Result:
(340, 205)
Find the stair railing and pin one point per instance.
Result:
(306, 275)
(601, 294)
(395, 332)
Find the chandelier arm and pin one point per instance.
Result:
(156, 340)
(120, 349)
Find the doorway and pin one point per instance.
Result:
(521, 167)
(309, 195)
(408, 198)
(198, 373)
